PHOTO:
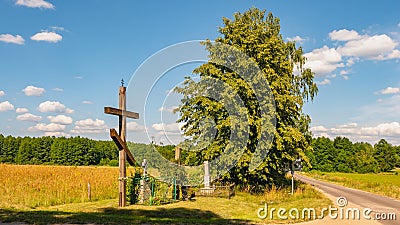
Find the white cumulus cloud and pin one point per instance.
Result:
(134, 126)
(48, 36)
(22, 110)
(355, 132)
(29, 117)
(35, 4)
(33, 91)
(60, 119)
(89, 126)
(371, 47)
(344, 35)
(9, 38)
(52, 127)
(324, 60)
(2, 93)
(297, 38)
(389, 90)
(6, 106)
(54, 106)
(324, 82)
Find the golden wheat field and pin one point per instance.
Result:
(28, 186)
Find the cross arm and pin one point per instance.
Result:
(120, 112)
(122, 146)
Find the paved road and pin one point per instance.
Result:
(381, 206)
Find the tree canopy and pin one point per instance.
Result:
(256, 34)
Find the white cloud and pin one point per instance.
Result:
(57, 134)
(87, 102)
(89, 126)
(372, 134)
(60, 119)
(56, 107)
(6, 106)
(35, 4)
(297, 38)
(324, 60)
(33, 91)
(172, 127)
(395, 54)
(324, 82)
(58, 89)
(2, 93)
(22, 110)
(52, 127)
(389, 90)
(134, 126)
(344, 35)
(318, 129)
(78, 77)
(169, 109)
(8, 38)
(29, 117)
(371, 47)
(47, 36)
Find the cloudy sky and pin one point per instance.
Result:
(61, 62)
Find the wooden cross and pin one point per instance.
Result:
(120, 141)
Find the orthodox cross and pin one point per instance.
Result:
(120, 140)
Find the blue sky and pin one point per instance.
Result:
(61, 62)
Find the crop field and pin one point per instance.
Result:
(59, 195)
(34, 186)
(387, 184)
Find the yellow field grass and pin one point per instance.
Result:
(24, 186)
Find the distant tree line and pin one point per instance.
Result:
(76, 151)
(338, 155)
(341, 155)
(73, 151)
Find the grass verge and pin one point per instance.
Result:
(241, 209)
(387, 184)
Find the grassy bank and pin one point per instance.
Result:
(387, 184)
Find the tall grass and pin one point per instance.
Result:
(387, 184)
(23, 186)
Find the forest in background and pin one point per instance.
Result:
(338, 155)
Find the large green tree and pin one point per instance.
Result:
(385, 155)
(256, 34)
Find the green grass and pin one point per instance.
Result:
(387, 184)
(241, 209)
(58, 195)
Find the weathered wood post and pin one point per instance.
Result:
(122, 154)
(120, 140)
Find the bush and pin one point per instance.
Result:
(113, 162)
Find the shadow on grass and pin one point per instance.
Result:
(118, 216)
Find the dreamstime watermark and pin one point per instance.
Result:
(341, 212)
(144, 92)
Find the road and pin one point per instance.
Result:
(380, 206)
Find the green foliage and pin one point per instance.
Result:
(133, 188)
(385, 155)
(57, 151)
(256, 34)
(341, 155)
